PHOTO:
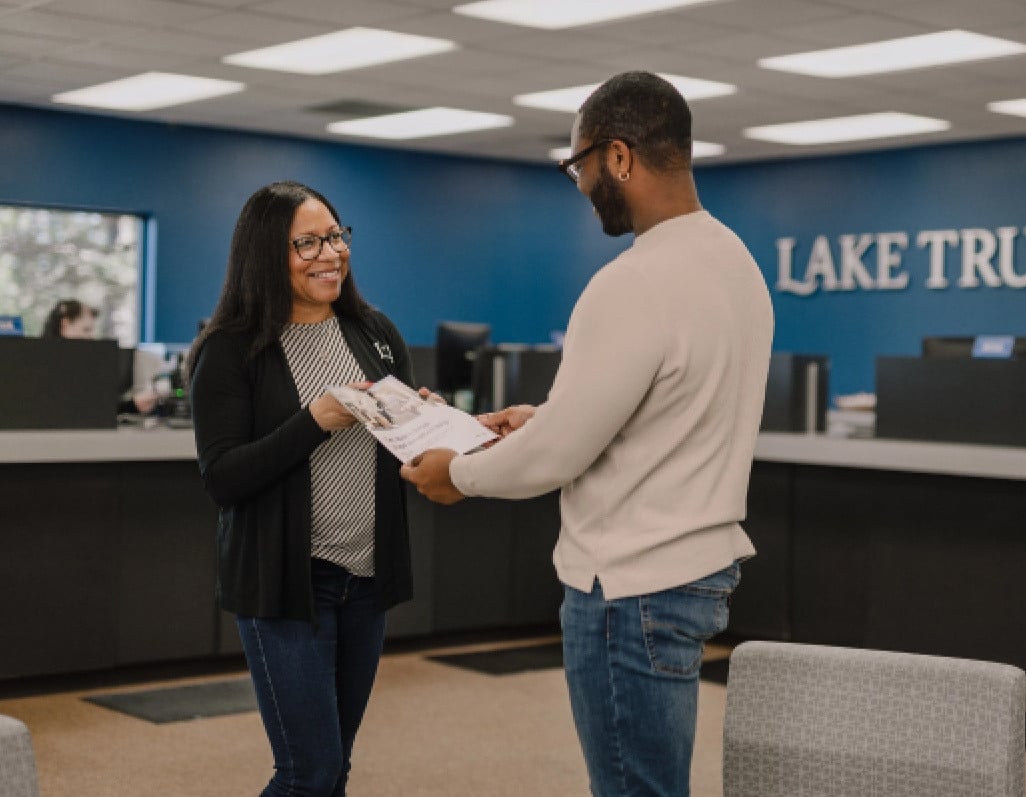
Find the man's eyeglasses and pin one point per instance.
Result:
(570, 166)
(309, 247)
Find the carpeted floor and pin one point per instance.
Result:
(432, 730)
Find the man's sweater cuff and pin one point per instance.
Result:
(461, 474)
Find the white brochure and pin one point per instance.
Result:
(406, 423)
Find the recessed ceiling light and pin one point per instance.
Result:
(148, 91)
(847, 128)
(572, 98)
(706, 149)
(1011, 107)
(344, 49)
(421, 124)
(555, 14)
(895, 55)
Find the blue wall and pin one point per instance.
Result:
(979, 185)
(445, 237)
(435, 237)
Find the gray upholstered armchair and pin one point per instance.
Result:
(805, 720)
(17, 762)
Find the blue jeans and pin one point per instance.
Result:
(312, 688)
(632, 670)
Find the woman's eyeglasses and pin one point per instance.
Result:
(309, 247)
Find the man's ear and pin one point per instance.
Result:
(622, 160)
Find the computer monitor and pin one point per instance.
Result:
(456, 347)
(126, 370)
(58, 383)
(963, 346)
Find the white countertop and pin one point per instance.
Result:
(954, 459)
(97, 445)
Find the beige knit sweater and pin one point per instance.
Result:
(650, 425)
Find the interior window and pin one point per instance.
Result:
(51, 254)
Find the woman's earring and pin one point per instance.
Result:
(624, 176)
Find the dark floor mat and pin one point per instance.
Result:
(508, 660)
(175, 704)
(544, 657)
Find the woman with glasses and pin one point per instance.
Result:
(312, 538)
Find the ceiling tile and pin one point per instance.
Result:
(854, 29)
(981, 16)
(334, 15)
(142, 12)
(253, 30)
(59, 26)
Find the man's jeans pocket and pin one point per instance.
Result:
(677, 622)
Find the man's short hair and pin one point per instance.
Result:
(645, 111)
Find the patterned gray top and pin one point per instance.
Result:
(342, 468)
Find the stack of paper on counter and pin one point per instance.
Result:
(407, 424)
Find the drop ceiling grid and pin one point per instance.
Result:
(65, 44)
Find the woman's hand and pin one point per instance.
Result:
(146, 400)
(329, 414)
(431, 398)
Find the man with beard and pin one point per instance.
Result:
(650, 430)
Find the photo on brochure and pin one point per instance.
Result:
(408, 424)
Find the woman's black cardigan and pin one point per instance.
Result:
(254, 443)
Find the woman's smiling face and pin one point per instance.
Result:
(315, 283)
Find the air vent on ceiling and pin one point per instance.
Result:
(357, 109)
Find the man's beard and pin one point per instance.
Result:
(608, 200)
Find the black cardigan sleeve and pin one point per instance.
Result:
(235, 462)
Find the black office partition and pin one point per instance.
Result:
(508, 375)
(797, 393)
(951, 400)
(53, 383)
(422, 359)
(761, 606)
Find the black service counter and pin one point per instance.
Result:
(107, 554)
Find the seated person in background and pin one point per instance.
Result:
(72, 319)
(69, 318)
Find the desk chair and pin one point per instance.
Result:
(17, 762)
(809, 720)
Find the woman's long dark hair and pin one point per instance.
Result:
(256, 299)
(69, 309)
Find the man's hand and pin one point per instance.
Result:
(508, 420)
(429, 473)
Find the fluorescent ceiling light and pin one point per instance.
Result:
(572, 98)
(341, 50)
(706, 149)
(148, 91)
(556, 14)
(421, 124)
(847, 128)
(1011, 107)
(560, 153)
(895, 55)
